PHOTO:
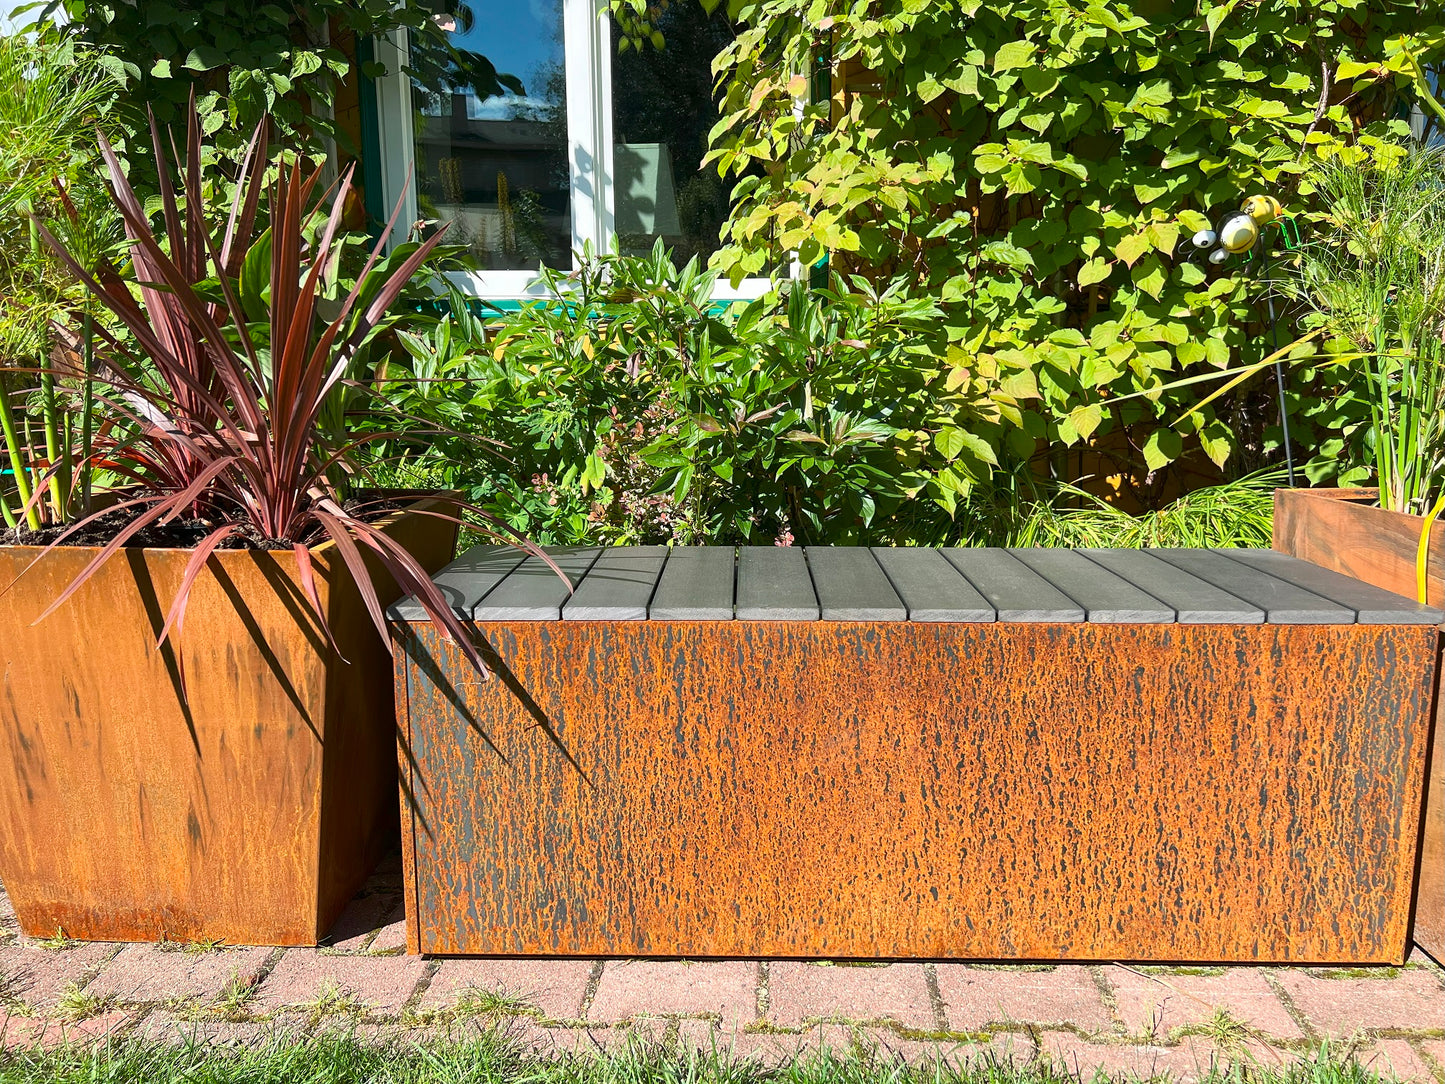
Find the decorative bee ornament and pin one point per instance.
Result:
(1239, 232)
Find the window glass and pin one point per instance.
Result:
(663, 106)
(491, 133)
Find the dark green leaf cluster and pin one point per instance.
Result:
(247, 59)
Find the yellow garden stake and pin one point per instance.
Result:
(1422, 555)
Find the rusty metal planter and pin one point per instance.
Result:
(1345, 530)
(1027, 785)
(250, 811)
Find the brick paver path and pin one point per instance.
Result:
(1125, 1019)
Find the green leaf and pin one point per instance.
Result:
(949, 442)
(204, 58)
(1013, 54)
(1095, 270)
(1085, 419)
(1162, 448)
(1130, 248)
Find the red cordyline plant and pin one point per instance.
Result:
(216, 409)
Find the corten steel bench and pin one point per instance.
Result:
(1020, 754)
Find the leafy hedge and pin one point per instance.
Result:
(1039, 167)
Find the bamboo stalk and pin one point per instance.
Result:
(53, 452)
(87, 405)
(17, 461)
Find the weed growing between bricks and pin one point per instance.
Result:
(498, 1059)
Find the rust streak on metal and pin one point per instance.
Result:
(1344, 531)
(836, 789)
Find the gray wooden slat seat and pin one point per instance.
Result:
(697, 584)
(618, 586)
(774, 585)
(1372, 605)
(931, 588)
(1194, 601)
(851, 586)
(1282, 602)
(465, 581)
(1105, 597)
(534, 591)
(1016, 591)
(768, 583)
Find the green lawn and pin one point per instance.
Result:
(343, 1060)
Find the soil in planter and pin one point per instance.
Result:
(184, 534)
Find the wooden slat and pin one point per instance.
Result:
(931, 588)
(618, 586)
(534, 592)
(1016, 591)
(1194, 601)
(774, 585)
(1105, 597)
(465, 581)
(697, 585)
(851, 586)
(1283, 603)
(1372, 605)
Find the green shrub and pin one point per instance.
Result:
(628, 407)
(1039, 167)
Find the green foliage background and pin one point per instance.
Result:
(1039, 167)
(1018, 178)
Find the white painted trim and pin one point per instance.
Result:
(499, 285)
(517, 285)
(590, 150)
(395, 134)
(749, 289)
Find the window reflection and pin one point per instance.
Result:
(663, 106)
(491, 133)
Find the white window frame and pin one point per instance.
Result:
(587, 41)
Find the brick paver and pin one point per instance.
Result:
(20, 1033)
(1338, 1007)
(1399, 1057)
(37, 977)
(805, 993)
(359, 924)
(310, 980)
(392, 935)
(975, 997)
(1159, 1005)
(1133, 1021)
(150, 973)
(725, 991)
(553, 988)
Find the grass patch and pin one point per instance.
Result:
(75, 1004)
(332, 1000)
(480, 1001)
(59, 943)
(1239, 513)
(495, 1059)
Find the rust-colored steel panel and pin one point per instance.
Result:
(902, 789)
(1344, 531)
(252, 811)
